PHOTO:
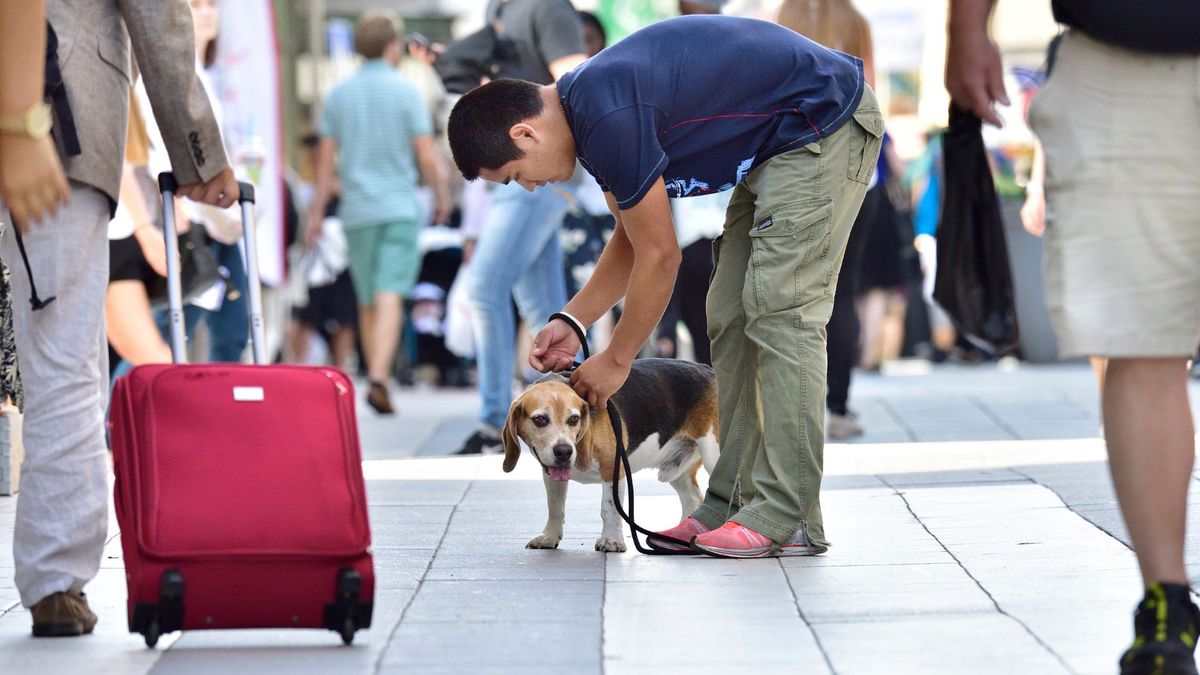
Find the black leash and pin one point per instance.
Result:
(614, 418)
(37, 302)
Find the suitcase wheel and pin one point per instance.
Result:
(347, 613)
(151, 633)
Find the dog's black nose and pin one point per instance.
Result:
(562, 452)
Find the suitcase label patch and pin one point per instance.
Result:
(248, 394)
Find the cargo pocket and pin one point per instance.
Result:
(790, 256)
(864, 145)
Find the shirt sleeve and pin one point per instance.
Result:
(558, 30)
(623, 153)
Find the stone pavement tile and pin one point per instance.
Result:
(111, 649)
(1068, 573)
(673, 602)
(976, 644)
(692, 569)
(286, 651)
(506, 601)
(466, 544)
(829, 483)
(966, 477)
(979, 433)
(475, 669)
(401, 568)
(871, 527)
(448, 436)
(408, 527)
(530, 640)
(415, 492)
(845, 594)
(518, 565)
(1070, 428)
(713, 642)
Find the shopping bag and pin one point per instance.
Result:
(460, 336)
(974, 279)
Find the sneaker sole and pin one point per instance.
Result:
(665, 546)
(783, 552)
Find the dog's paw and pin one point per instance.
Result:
(544, 540)
(610, 545)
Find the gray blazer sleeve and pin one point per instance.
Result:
(162, 38)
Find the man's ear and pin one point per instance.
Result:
(512, 444)
(523, 132)
(583, 439)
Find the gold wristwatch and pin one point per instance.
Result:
(34, 123)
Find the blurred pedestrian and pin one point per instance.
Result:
(61, 519)
(518, 254)
(838, 25)
(380, 131)
(1120, 127)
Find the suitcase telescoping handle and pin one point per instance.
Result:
(168, 187)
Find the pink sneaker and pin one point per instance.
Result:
(734, 540)
(684, 531)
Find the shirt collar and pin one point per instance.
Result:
(375, 64)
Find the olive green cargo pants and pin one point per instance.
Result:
(777, 263)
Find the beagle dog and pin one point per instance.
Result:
(669, 413)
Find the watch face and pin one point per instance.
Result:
(38, 121)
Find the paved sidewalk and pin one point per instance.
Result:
(974, 530)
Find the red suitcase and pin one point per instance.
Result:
(239, 489)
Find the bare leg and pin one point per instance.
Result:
(1099, 367)
(385, 336)
(297, 340)
(341, 345)
(871, 310)
(1151, 450)
(131, 327)
(366, 328)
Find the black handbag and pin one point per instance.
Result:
(486, 53)
(974, 280)
(200, 269)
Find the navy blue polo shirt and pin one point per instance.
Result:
(701, 101)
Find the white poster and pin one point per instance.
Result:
(247, 78)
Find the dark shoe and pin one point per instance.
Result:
(62, 615)
(1165, 628)
(479, 443)
(377, 398)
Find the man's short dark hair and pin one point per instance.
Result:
(375, 31)
(479, 124)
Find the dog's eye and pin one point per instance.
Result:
(540, 420)
(573, 420)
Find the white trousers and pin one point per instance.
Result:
(62, 518)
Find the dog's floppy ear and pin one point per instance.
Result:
(512, 444)
(583, 439)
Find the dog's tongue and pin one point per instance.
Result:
(559, 473)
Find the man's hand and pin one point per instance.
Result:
(221, 190)
(32, 184)
(973, 72)
(441, 210)
(1033, 213)
(554, 348)
(599, 378)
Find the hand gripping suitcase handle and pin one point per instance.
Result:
(168, 187)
